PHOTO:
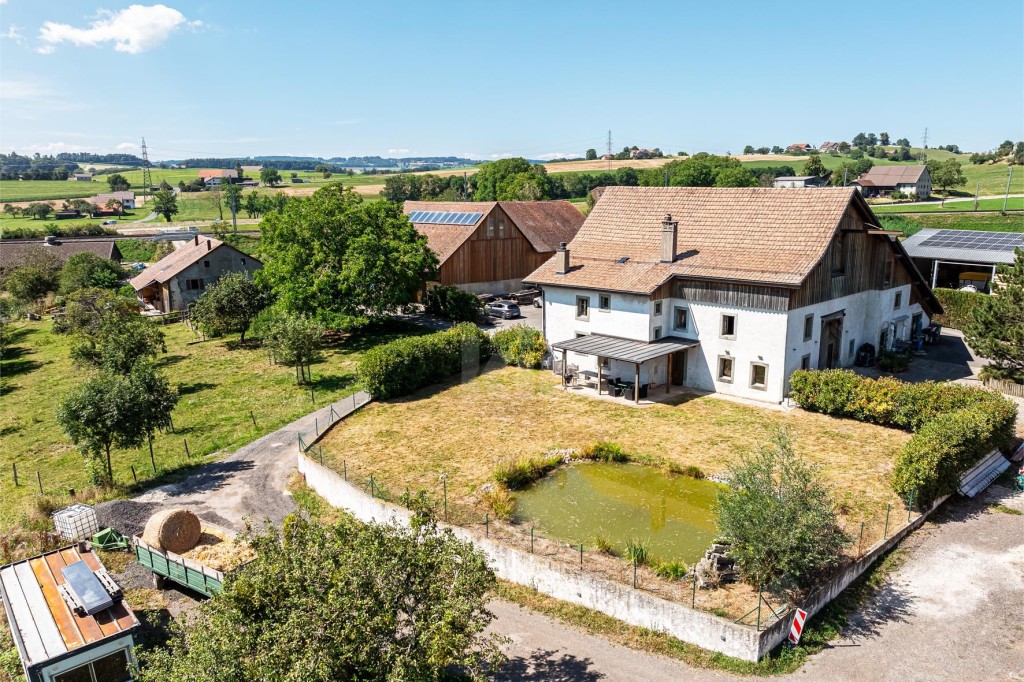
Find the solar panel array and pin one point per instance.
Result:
(975, 241)
(444, 217)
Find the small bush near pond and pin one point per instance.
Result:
(521, 346)
(636, 551)
(500, 502)
(688, 470)
(604, 451)
(602, 545)
(671, 570)
(400, 367)
(519, 473)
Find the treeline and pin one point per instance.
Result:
(86, 157)
(14, 166)
(1006, 149)
(335, 164)
(516, 179)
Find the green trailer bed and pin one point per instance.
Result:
(170, 566)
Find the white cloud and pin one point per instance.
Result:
(57, 147)
(133, 30)
(13, 33)
(127, 147)
(398, 151)
(559, 155)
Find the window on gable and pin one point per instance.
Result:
(206, 263)
(808, 327)
(728, 326)
(501, 226)
(242, 261)
(887, 272)
(725, 366)
(681, 319)
(759, 376)
(582, 307)
(898, 301)
(604, 302)
(490, 226)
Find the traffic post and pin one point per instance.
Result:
(798, 626)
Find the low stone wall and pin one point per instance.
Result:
(619, 601)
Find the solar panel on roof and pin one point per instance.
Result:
(86, 587)
(974, 241)
(444, 217)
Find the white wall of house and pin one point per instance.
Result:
(191, 283)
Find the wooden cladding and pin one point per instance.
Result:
(507, 254)
(855, 261)
(754, 296)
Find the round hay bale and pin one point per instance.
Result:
(174, 530)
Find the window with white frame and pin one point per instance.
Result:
(728, 326)
(759, 375)
(725, 368)
(681, 319)
(582, 307)
(604, 302)
(110, 668)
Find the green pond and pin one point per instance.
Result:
(673, 515)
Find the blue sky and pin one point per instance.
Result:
(490, 79)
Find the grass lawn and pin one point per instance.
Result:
(985, 222)
(465, 429)
(42, 190)
(965, 205)
(7, 222)
(218, 384)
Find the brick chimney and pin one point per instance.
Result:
(669, 239)
(196, 240)
(209, 244)
(562, 262)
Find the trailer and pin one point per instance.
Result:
(176, 568)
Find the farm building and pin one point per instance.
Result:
(727, 289)
(881, 181)
(800, 147)
(17, 252)
(799, 181)
(488, 247)
(80, 177)
(127, 199)
(207, 174)
(182, 276)
(828, 146)
(68, 619)
(954, 259)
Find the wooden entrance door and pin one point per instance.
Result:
(831, 344)
(678, 367)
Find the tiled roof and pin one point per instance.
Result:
(15, 252)
(101, 199)
(173, 263)
(545, 223)
(765, 235)
(890, 176)
(219, 173)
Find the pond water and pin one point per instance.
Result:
(673, 515)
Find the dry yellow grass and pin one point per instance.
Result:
(464, 429)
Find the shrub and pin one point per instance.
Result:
(400, 367)
(637, 552)
(958, 306)
(604, 546)
(519, 473)
(500, 501)
(454, 303)
(689, 470)
(893, 362)
(521, 346)
(604, 451)
(930, 465)
(671, 570)
(85, 230)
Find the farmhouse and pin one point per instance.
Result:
(953, 259)
(181, 277)
(68, 619)
(17, 252)
(126, 198)
(726, 289)
(883, 180)
(800, 147)
(80, 177)
(829, 147)
(217, 176)
(799, 181)
(489, 246)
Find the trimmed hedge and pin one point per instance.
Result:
(400, 367)
(954, 425)
(959, 307)
(521, 346)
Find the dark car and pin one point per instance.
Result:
(504, 309)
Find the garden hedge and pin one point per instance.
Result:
(521, 346)
(954, 425)
(958, 305)
(400, 367)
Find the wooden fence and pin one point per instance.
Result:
(1007, 387)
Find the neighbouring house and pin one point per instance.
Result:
(827, 147)
(213, 173)
(489, 246)
(800, 147)
(799, 181)
(16, 252)
(953, 259)
(882, 181)
(68, 618)
(80, 177)
(248, 183)
(180, 277)
(127, 199)
(642, 154)
(727, 289)
(607, 157)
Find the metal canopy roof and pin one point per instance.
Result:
(964, 245)
(626, 350)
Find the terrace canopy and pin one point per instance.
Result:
(624, 350)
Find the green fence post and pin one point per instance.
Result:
(581, 556)
(634, 572)
(316, 426)
(321, 455)
(372, 486)
(14, 466)
(487, 525)
(187, 452)
(151, 458)
(253, 418)
(134, 477)
(910, 505)
(312, 396)
(444, 485)
(344, 469)
(39, 479)
(888, 508)
(860, 542)
(759, 599)
(531, 540)
(693, 600)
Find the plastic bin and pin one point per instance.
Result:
(77, 522)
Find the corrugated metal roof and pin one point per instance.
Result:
(627, 350)
(986, 471)
(964, 245)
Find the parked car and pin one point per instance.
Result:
(503, 309)
(109, 222)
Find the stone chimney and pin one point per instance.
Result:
(669, 239)
(562, 262)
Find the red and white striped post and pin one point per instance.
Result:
(798, 626)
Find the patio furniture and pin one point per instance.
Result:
(589, 378)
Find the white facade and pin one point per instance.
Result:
(754, 361)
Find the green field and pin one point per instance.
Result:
(219, 383)
(7, 222)
(41, 190)
(986, 222)
(966, 205)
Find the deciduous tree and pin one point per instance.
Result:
(118, 183)
(883, 138)
(270, 177)
(165, 203)
(814, 166)
(947, 174)
(591, 154)
(230, 304)
(39, 209)
(84, 270)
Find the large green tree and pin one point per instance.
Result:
(108, 331)
(349, 601)
(85, 270)
(700, 170)
(343, 261)
(779, 517)
(37, 276)
(165, 203)
(112, 410)
(230, 304)
(492, 174)
(292, 339)
(947, 174)
(814, 166)
(524, 187)
(270, 177)
(997, 329)
(118, 183)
